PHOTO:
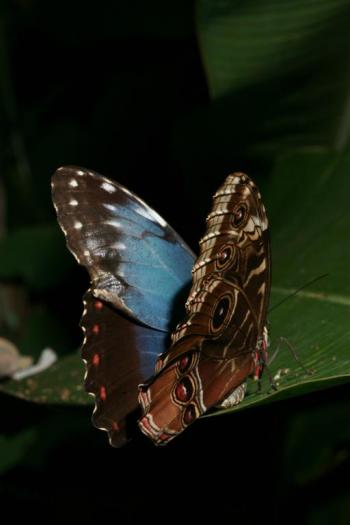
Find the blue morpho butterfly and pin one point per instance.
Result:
(139, 267)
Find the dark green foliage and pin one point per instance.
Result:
(168, 98)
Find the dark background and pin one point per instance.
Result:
(100, 87)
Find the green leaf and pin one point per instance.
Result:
(277, 70)
(35, 254)
(307, 203)
(61, 384)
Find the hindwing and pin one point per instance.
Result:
(119, 354)
(225, 321)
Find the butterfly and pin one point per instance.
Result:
(139, 269)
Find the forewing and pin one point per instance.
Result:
(136, 261)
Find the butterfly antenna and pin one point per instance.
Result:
(297, 291)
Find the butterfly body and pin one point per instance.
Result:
(138, 267)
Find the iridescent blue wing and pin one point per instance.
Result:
(136, 261)
(119, 354)
(138, 266)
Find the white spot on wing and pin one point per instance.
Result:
(73, 183)
(109, 207)
(79, 172)
(78, 225)
(119, 246)
(151, 215)
(115, 224)
(73, 202)
(107, 186)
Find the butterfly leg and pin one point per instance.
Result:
(262, 361)
(261, 356)
(284, 340)
(272, 382)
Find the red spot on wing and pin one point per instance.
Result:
(98, 305)
(115, 426)
(184, 362)
(189, 414)
(95, 329)
(103, 393)
(181, 392)
(96, 360)
(184, 390)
